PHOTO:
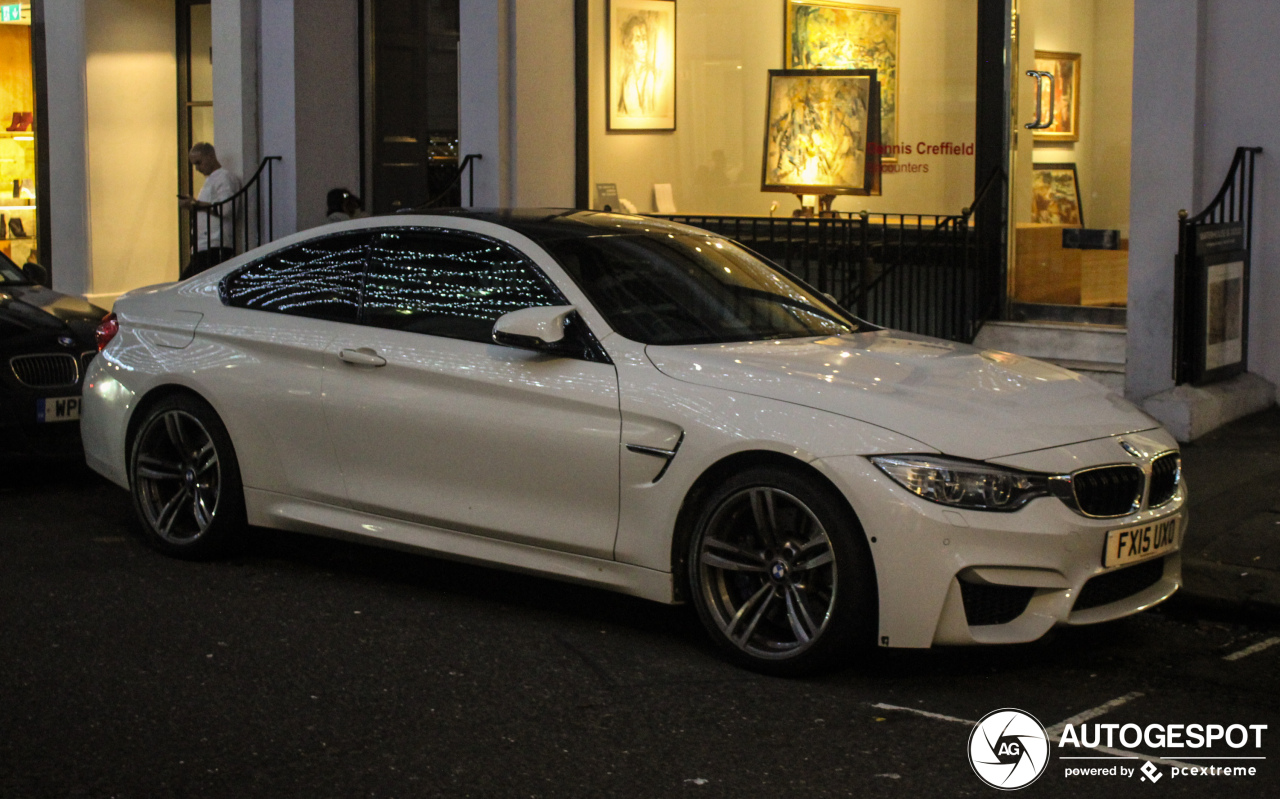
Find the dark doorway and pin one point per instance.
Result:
(415, 103)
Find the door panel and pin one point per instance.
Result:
(478, 438)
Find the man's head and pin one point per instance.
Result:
(204, 158)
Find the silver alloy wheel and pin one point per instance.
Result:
(177, 476)
(767, 572)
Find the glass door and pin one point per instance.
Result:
(1069, 161)
(195, 95)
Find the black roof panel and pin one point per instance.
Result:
(548, 224)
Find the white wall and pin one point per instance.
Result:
(131, 79)
(1165, 149)
(66, 122)
(516, 100)
(326, 104)
(1239, 93)
(310, 104)
(1199, 92)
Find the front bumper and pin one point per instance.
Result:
(951, 576)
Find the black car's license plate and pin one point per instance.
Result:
(58, 409)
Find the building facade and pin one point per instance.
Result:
(382, 96)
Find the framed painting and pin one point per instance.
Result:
(819, 127)
(640, 62)
(824, 34)
(1065, 69)
(1055, 195)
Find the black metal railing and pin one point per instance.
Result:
(923, 273)
(1233, 205)
(452, 191)
(244, 220)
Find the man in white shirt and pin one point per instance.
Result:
(214, 243)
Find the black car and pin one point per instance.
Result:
(46, 341)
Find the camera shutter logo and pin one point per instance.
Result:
(1008, 749)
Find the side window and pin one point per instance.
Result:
(449, 284)
(319, 279)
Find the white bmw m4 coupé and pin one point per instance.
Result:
(640, 406)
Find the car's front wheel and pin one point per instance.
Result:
(780, 572)
(185, 480)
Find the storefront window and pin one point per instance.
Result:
(679, 94)
(17, 135)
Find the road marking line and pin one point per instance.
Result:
(1249, 650)
(924, 713)
(1119, 754)
(1093, 713)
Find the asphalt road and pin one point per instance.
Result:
(306, 667)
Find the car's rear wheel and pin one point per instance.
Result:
(185, 480)
(780, 572)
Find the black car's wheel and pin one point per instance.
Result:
(185, 480)
(780, 572)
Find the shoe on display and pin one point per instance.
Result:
(16, 228)
(28, 119)
(16, 124)
(4, 230)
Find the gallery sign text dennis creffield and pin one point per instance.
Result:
(919, 148)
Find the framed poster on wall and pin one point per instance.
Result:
(1065, 69)
(1219, 333)
(1055, 195)
(831, 34)
(640, 65)
(819, 129)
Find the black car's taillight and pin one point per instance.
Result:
(106, 330)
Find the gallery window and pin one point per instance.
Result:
(717, 106)
(18, 122)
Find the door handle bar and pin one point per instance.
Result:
(362, 356)
(1053, 83)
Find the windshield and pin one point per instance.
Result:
(678, 288)
(9, 271)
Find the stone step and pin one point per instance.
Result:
(1056, 341)
(1110, 375)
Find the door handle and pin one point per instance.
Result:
(1053, 82)
(362, 356)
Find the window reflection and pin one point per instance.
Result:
(318, 279)
(448, 284)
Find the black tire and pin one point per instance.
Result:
(780, 573)
(185, 480)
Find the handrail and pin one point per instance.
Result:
(465, 166)
(1232, 204)
(241, 204)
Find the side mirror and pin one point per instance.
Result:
(540, 329)
(35, 273)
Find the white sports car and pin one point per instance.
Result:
(640, 406)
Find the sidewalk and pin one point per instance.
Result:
(1231, 552)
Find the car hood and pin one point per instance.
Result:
(25, 308)
(959, 399)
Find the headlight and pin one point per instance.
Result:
(964, 484)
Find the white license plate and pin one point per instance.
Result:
(58, 409)
(1132, 544)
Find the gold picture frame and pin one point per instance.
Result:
(640, 65)
(1065, 69)
(826, 34)
(821, 129)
